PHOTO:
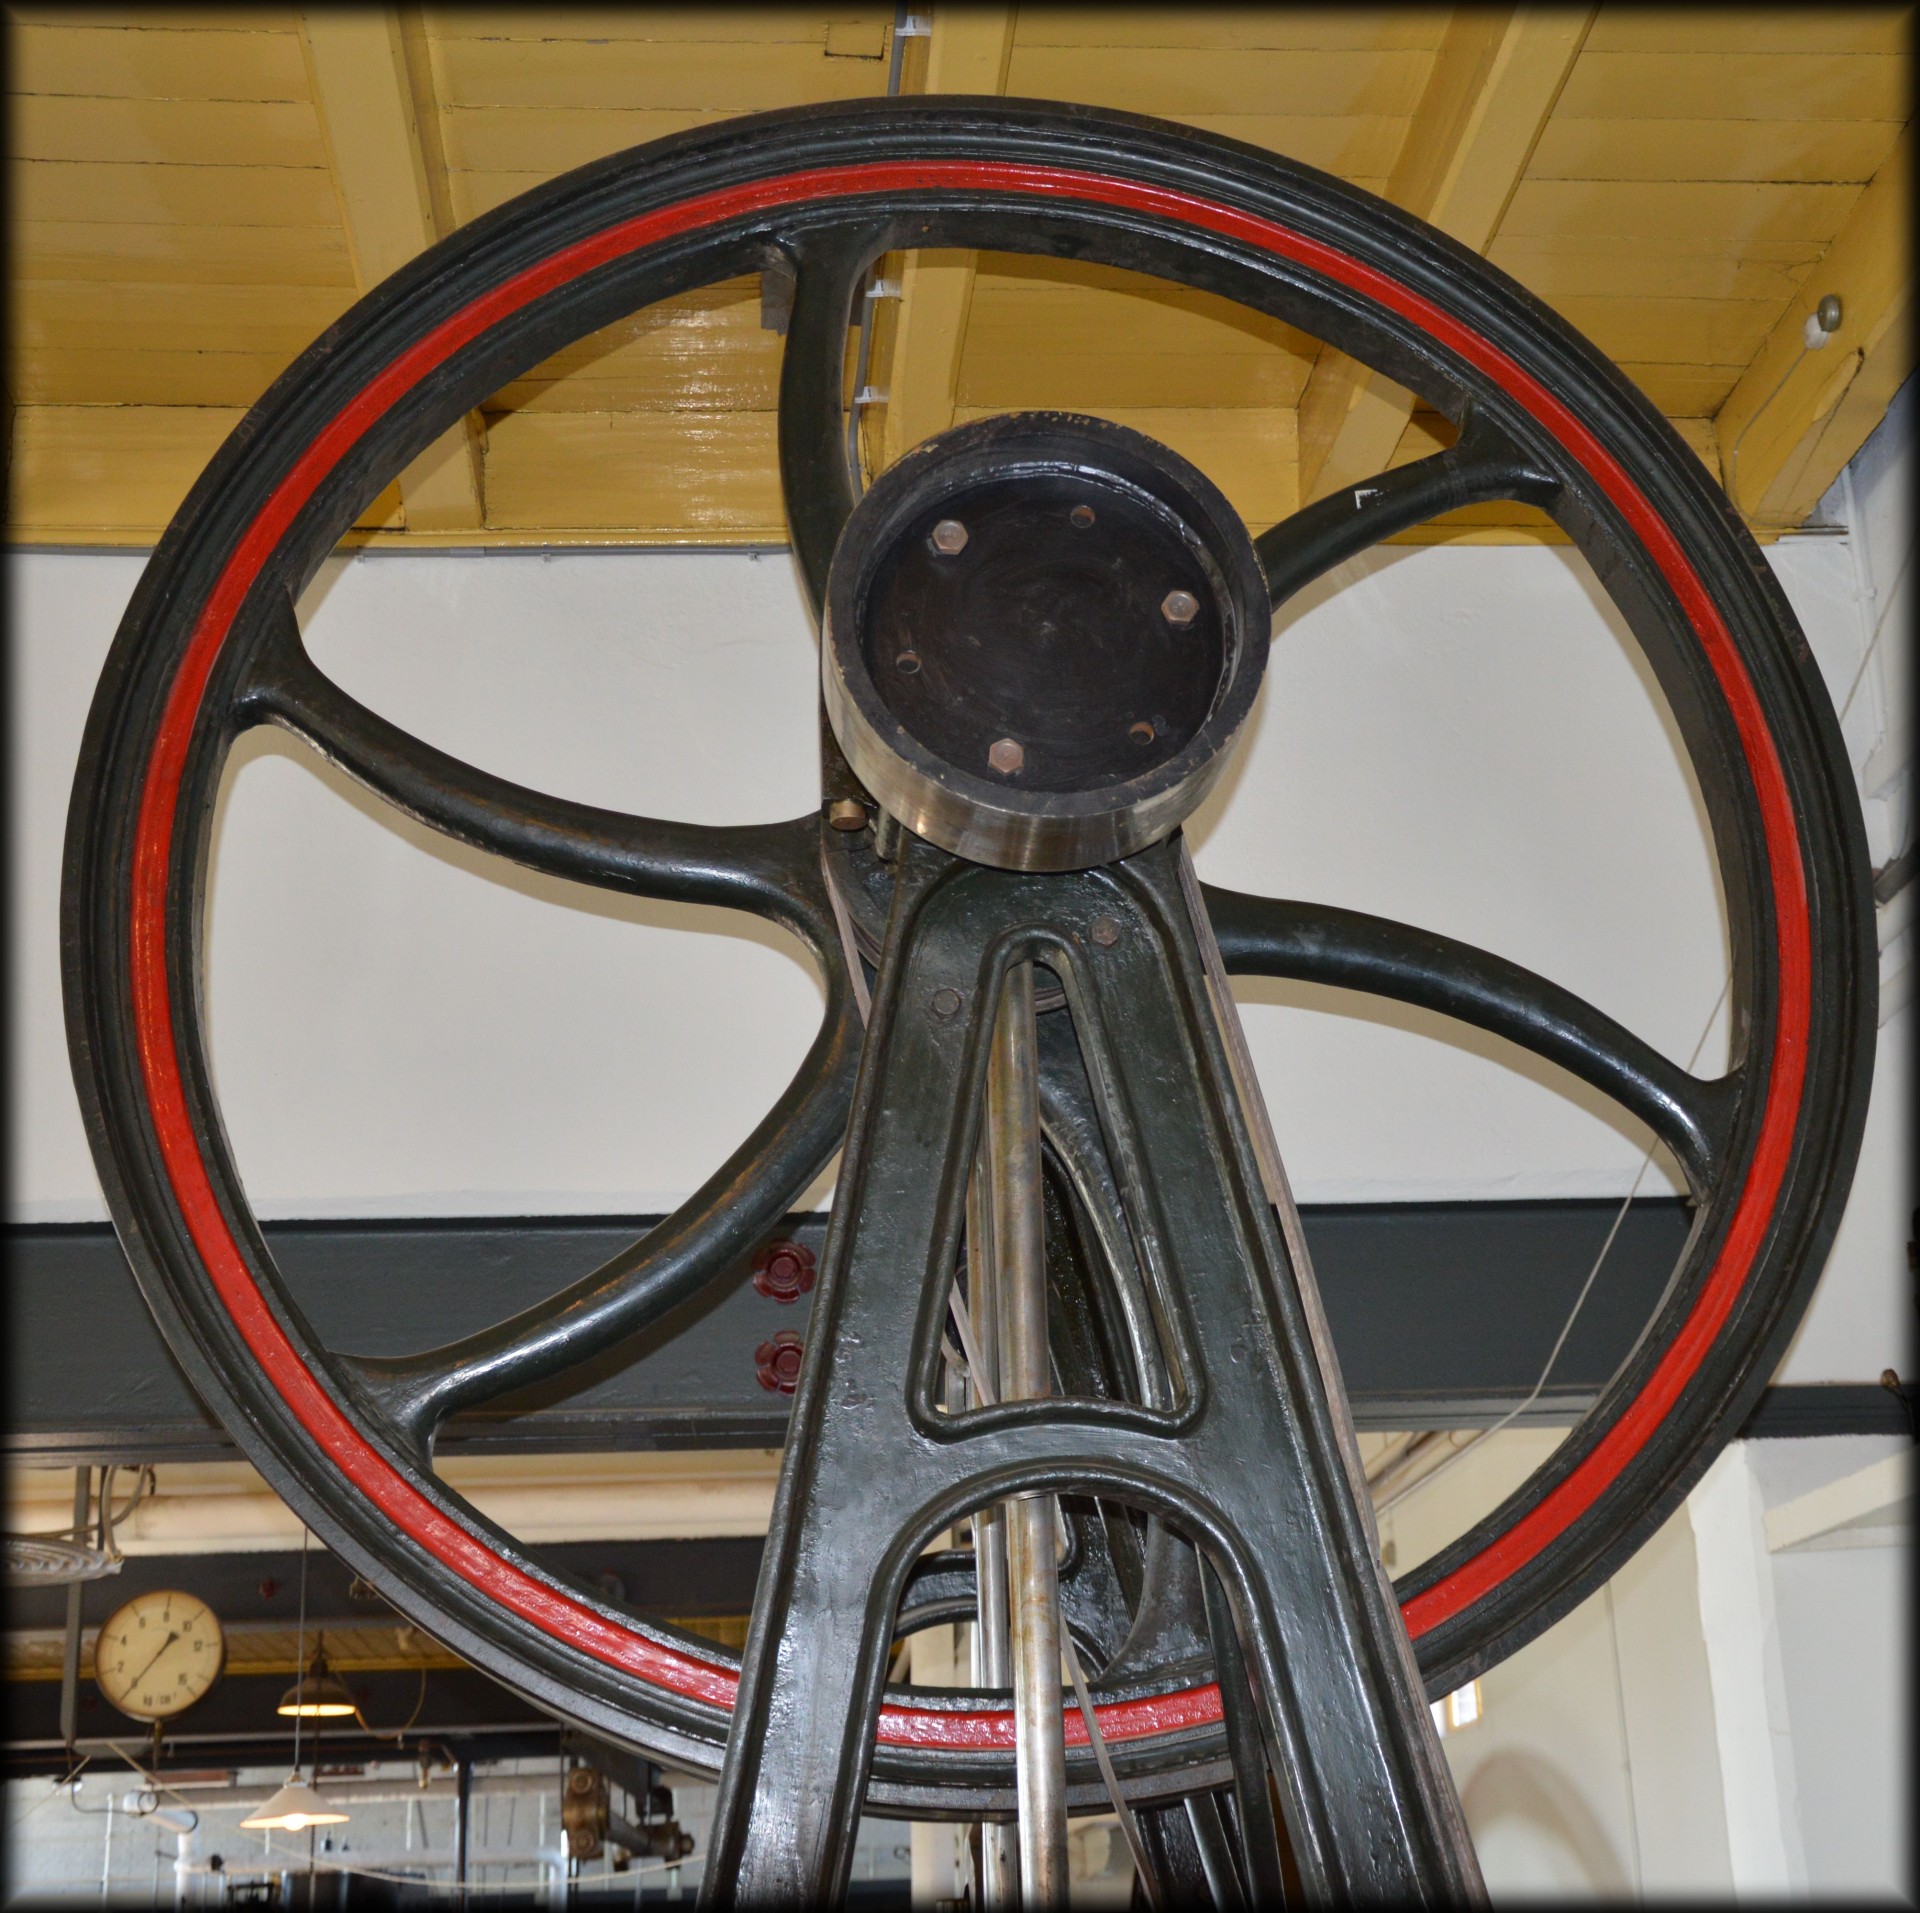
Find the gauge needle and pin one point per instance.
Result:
(148, 1669)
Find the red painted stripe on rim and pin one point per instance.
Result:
(550, 1608)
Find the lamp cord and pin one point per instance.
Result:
(300, 1639)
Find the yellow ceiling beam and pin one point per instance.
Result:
(969, 51)
(1797, 416)
(378, 131)
(1493, 86)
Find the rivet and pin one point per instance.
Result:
(946, 1004)
(847, 813)
(1082, 515)
(907, 663)
(1005, 755)
(1105, 931)
(1179, 607)
(949, 537)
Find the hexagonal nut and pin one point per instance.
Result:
(949, 537)
(1005, 755)
(1179, 607)
(783, 1270)
(778, 1362)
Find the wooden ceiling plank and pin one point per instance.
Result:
(540, 140)
(1357, 146)
(82, 190)
(60, 376)
(1178, 82)
(178, 253)
(1813, 151)
(242, 63)
(115, 474)
(1736, 219)
(1804, 85)
(364, 93)
(1795, 417)
(1770, 29)
(970, 50)
(1624, 269)
(152, 20)
(731, 76)
(164, 132)
(664, 477)
(1492, 88)
(1235, 29)
(757, 25)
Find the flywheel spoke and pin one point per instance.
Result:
(772, 870)
(1318, 943)
(1481, 467)
(672, 1262)
(813, 456)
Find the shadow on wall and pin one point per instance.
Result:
(1535, 1834)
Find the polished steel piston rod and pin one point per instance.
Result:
(992, 1665)
(1033, 1587)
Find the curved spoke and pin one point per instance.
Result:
(813, 459)
(1482, 466)
(769, 869)
(1316, 943)
(723, 1219)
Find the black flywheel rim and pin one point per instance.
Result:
(827, 190)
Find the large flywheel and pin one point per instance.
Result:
(1064, 1280)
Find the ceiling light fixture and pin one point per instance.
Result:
(319, 1693)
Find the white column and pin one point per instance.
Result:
(1749, 1686)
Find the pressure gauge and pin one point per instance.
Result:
(159, 1654)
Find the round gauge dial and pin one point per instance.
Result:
(159, 1654)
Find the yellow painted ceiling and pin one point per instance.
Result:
(187, 214)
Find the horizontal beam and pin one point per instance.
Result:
(1493, 86)
(376, 130)
(1797, 416)
(1442, 1314)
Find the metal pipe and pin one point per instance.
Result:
(462, 1827)
(70, 1651)
(1033, 1584)
(992, 1665)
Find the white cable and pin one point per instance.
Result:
(1579, 1301)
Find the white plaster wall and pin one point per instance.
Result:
(1459, 738)
(1593, 1773)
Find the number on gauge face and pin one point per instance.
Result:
(159, 1654)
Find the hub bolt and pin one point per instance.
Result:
(783, 1270)
(1005, 755)
(1179, 607)
(778, 1362)
(847, 813)
(949, 537)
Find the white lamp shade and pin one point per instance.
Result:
(295, 1807)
